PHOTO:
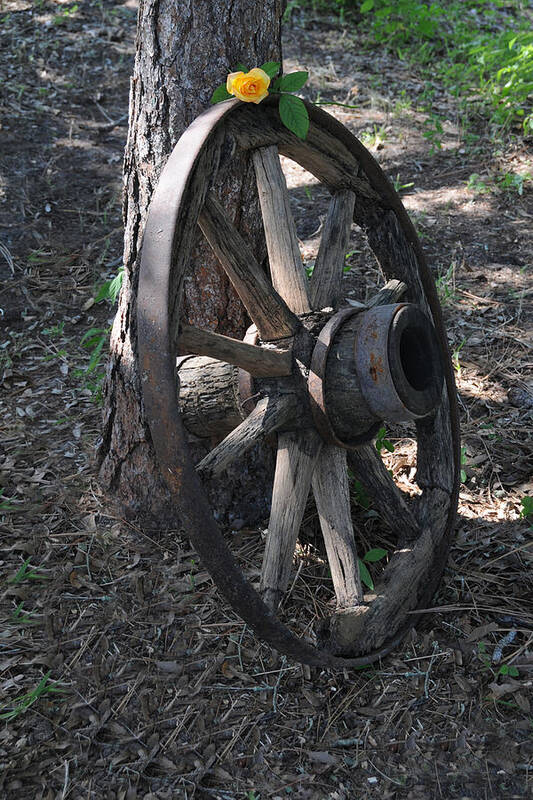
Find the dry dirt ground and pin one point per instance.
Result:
(122, 674)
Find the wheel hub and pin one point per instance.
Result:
(371, 365)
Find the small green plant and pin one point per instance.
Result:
(55, 330)
(382, 443)
(488, 427)
(513, 182)
(371, 557)
(61, 19)
(374, 138)
(291, 6)
(477, 185)
(94, 340)
(349, 254)
(455, 358)
(20, 704)
(527, 508)
(22, 617)
(433, 133)
(508, 669)
(402, 104)
(399, 186)
(110, 289)
(360, 495)
(445, 284)
(27, 573)
(483, 656)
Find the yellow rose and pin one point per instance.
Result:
(252, 87)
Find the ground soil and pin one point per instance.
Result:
(159, 690)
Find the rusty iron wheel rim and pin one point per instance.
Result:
(158, 382)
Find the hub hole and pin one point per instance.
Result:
(416, 357)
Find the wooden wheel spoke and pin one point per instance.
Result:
(268, 415)
(368, 467)
(332, 497)
(326, 280)
(270, 313)
(258, 361)
(286, 268)
(296, 458)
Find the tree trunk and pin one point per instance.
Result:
(185, 48)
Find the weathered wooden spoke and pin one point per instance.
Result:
(286, 267)
(332, 497)
(296, 458)
(258, 361)
(326, 280)
(271, 315)
(267, 417)
(340, 374)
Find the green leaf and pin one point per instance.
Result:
(110, 289)
(116, 285)
(527, 506)
(271, 68)
(376, 554)
(368, 5)
(103, 292)
(220, 94)
(365, 575)
(293, 81)
(240, 68)
(294, 115)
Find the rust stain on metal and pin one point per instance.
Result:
(376, 367)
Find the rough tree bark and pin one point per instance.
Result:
(185, 48)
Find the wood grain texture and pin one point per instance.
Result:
(296, 458)
(407, 577)
(392, 292)
(332, 497)
(258, 361)
(321, 154)
(208, 396)
(348, 412)
(270, 313)
(326, 281)
(269, 414)
(286, 268)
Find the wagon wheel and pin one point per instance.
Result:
(325, 376)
